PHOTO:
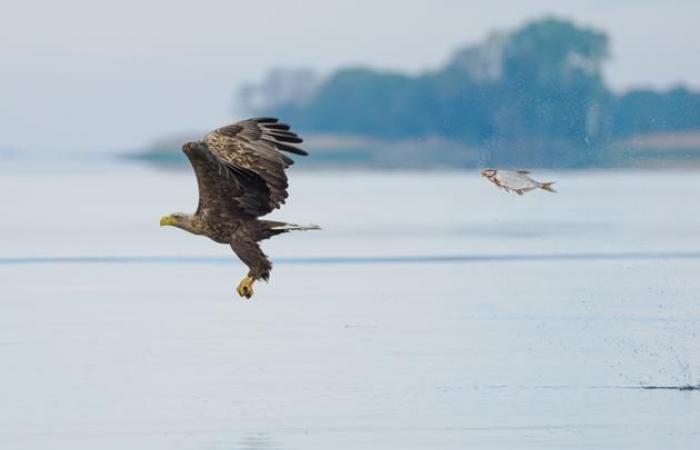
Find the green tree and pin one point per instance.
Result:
(534, 94)
(646, 111)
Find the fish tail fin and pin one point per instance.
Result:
(548, 186)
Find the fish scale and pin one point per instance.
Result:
(515, 181)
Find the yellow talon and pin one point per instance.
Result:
(245, 287)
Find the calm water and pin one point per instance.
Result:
(432, 312)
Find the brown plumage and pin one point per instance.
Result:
(241, 176)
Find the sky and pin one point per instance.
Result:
(96, 76)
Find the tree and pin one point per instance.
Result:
(536, 91)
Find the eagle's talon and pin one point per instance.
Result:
(245, 287)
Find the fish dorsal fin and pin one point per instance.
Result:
(523, 172)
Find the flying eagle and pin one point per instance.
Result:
(240, 176)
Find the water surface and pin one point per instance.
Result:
(432, 311)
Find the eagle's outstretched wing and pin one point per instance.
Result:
(240, 167)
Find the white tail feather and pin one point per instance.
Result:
(294, 227)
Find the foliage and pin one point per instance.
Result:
(512, 95)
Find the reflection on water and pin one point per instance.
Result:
(256, 442)
(249, 441)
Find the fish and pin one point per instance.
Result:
(516, 181)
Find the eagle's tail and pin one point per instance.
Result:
(271, 228)
(284, 227)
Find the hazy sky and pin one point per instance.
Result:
(87, 75)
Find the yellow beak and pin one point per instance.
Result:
(167, 220)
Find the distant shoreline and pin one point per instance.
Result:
(658, 150)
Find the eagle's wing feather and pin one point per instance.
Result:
(224, 191)
(254, 147)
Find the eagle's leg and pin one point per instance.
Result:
(244, 244)
(245, 287)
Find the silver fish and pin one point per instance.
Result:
(516, 181)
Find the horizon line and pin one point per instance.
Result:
(350, 260)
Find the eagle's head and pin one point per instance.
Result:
(179, 220)
(488, 173)
(191, 146)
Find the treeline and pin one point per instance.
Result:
(517, 95)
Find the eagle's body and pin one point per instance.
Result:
(241, 176)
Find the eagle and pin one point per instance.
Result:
(240, 170)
